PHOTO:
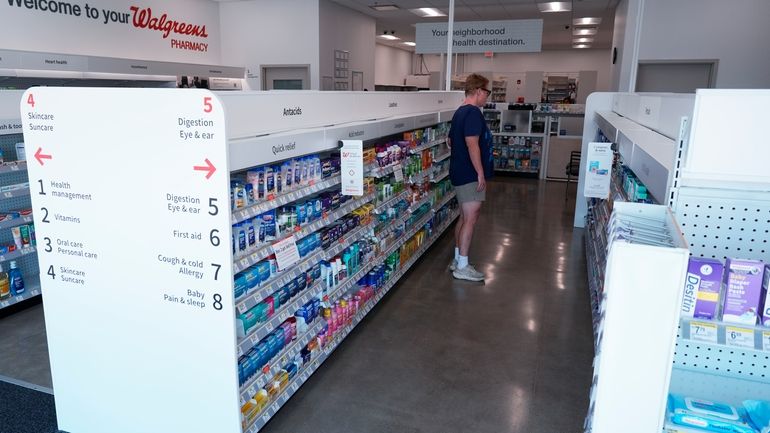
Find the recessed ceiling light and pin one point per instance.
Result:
(411, 44)
(390, 37)
(555, 6)
(384, 8)
(428, 12)
(581, 46)
(587, 21)
(582, 40)
(584, 32)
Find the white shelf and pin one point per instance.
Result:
(393, 200)
(249, 259)
(445, 200)
(32, 290)
(304, 374)
(511, 170)
(725, 335)
(440, 176)
(13, 167)
(421, 176)
(442, 157)
(283, 199)
(26, 219)
(17, 253)
(517, 134)
(259, 380)
(21, 192)
(250, 300)
(428, 145)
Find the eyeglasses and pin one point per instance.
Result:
(489, 92)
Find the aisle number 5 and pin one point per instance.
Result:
(207, 107)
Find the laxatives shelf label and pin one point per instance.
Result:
(130, 191)
(739, 337)
(702, 331)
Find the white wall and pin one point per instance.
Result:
(342, 28)
(270, 32)
(734, 32)
(514, 65)
(43, 31)
(391, 65)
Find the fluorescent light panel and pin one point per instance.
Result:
(584, 32)
(384, 8)
(582, 40)
(555, 6)
(390, 37)
(428, 12)
(411, 44)
(587, 21)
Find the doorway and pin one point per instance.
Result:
(286, 77)
(676, 77)
(358, 80)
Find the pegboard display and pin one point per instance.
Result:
(719, 388)
(722, 360)
(721, 223)
(28, 263)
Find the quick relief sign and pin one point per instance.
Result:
(513, 36)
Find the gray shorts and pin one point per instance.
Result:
(467, 193)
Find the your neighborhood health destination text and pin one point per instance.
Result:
(464, 33)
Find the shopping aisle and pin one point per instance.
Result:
(439, 355)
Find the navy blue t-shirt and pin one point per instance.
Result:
(468, 121)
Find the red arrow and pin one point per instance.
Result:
(40, 156)
(209, 167)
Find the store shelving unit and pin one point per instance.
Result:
(518, 153)
(492, 116)
(14, 172)
(183, 194)
(499, 91)
(719, 205)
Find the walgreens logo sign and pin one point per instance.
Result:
(144, 19)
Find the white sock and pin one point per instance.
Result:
(462, 262)
(457, 253)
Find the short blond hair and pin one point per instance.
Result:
(475, 81)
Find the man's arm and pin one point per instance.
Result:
(475, 153)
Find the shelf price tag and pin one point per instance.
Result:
(702, 331)
(286, 252)
(739, 337)
(398, 172)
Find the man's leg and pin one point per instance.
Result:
(470, 214)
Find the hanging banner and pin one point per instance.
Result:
(598, 170)
(512, 36)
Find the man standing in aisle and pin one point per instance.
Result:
(469, 168)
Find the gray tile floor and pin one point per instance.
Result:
(439, 355)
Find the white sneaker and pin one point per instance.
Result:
(468, 273)
(453, 265)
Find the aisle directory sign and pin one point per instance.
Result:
(132, 221)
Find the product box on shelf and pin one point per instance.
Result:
(743, 291)
(703, 288)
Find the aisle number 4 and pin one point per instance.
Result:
(31, 100)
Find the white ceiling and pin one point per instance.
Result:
(555, 35)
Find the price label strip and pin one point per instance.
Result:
(703, 331)
(739, 337)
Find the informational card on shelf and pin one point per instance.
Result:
(286, 252)
(598, 170)
(352, 166)
(766, 341)
(134, 239)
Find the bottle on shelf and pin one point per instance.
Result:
(15, 279)
(5, 287)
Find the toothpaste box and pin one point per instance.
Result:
(702, 289)
(743, 291)
(765, 299)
